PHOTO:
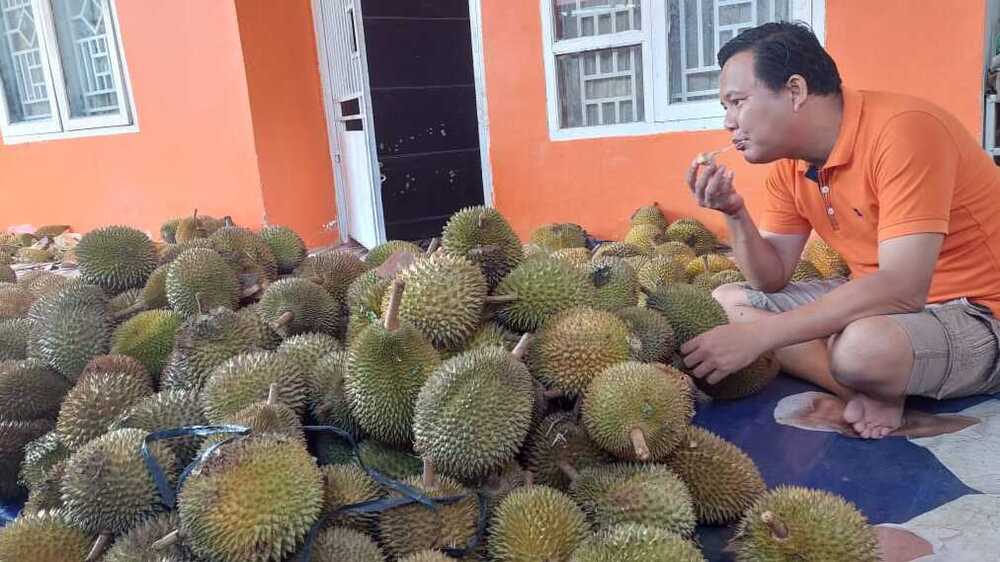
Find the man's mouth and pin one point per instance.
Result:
(740, 144)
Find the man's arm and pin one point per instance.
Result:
(766, 259)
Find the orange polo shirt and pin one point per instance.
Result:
(901, 165)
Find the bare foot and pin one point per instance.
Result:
(873, 418)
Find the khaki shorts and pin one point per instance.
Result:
(955, 343)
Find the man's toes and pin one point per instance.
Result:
(854, 412)
(860, 427)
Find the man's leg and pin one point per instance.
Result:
(809, 360)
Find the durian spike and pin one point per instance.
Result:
(499, 299)
(272, 394)
(568, 469)
(481, 220)
(282, 321)
(639, 444)
(395, 297)
(167, 541)
(100, 546)
(522, 347)
(432, 247)
(778, 529)
(429, 477)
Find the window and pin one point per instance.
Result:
(625, 67)
(61, 70)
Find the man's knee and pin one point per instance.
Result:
(731, 296)
(868, 349)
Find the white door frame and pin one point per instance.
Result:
(482, 108)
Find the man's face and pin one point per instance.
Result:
(758, 118)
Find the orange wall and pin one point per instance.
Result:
(195, 147)
(279, 50)
(901, 46)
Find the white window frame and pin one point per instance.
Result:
(660, 115)
(61, 125)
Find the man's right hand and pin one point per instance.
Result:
(712, 187)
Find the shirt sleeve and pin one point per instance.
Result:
(781, 215)
(915, 170)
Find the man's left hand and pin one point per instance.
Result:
(723, 350)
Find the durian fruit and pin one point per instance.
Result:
(620, 250)
(693, 234)
(41, 282)
(379, 254)
(43, 537)
(14, 437)
(747, 381)
(574, 256)
(226, 520)
(269, 416)
(46, 494)
(168, 409)
(653, 332)
(443, 297)
(168, 230)
(637, 411)
(364, 301)
(649, 214)
(722, 479)
(286, 246)
(171, 252)
(725, 277)
(34, 255)
(331, 406)
(636, 543)
(332, 449)
(334, 271)
(116, 258)
(616, 282)
(644, 236)
(14, 338)
(575, 346)
(15, 301)
(484, 237)
(709, 263)
(296, 306)
(805, 271)
(7, 274)
(107, 487)
(40, 455)
(266, 337)
(675, 250)
(148, 337)
(691, 311)
(474, 411)
(121, 305)
(536, 523)
(194, 227)
(494, 334)
(206, 341)
(95, 403)
(386, 367)
(247, 253)
(391, 461)
(555, 237)
(794, 523)
(558, 448)
(661, 271)
(200, 280)
(29, 389)
(247, 378)
(825, 258)
(50, 230)
(340, 545)
(137, 544)
(306, 350)
(152, 295)
(534, 251)
(344, 485)
(650, 495)
(427, 556)
(540, 288)
(414, 527)
(119, 364)
(71, 326)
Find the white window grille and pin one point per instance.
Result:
(626, 67)
(62, 70)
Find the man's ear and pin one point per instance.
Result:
(799, 90)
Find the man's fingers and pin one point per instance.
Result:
(694, 358)
(715, 188)
(716, 376)
(691, 175)
(703, 369)
(690, 345)
(703, 178)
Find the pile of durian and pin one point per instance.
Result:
(495, 401)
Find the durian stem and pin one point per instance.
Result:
(552, 394)
(197, 302)
(522, 347)
(778, 529)
(134, 309)
(429, 478)
(646, 291)
(272, 394)
(432, 247)
(228, 221)
(282, 321)
(481, 220)
(480, 251)
(250, 291)
(568, 469)
(395, 297)
(639, 444)
(529, 478)
(499, 299)
(100, 546)
(195, 215)
(166, 542)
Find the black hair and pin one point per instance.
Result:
(781, 49)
